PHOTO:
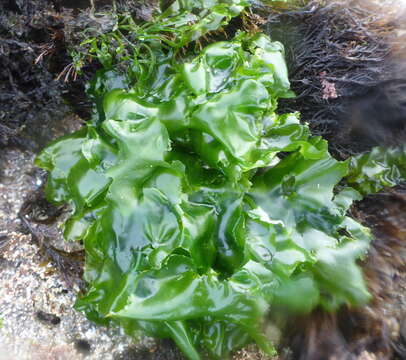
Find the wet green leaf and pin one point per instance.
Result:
(200, 207)
(373, 171)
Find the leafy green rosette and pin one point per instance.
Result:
(200, 207)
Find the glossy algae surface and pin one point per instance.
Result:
(199, 206)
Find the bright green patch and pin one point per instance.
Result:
(371, 172)
(199, 206)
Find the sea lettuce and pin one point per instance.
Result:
(371, 172)
(200, 207)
